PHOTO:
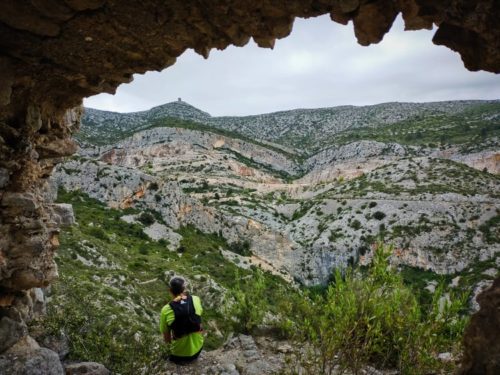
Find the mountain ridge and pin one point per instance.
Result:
(274, 200)
(305, 131)
(299, 108)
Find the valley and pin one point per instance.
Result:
(298, 194)
(306, 214)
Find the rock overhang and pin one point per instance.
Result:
(57, 52)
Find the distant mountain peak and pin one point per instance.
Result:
(179, 109)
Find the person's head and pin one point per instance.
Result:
(177, 285)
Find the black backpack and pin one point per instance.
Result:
(186, 321)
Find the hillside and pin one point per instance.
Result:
(155, 195)
(106, 127)
(305, 216)
(307, 131)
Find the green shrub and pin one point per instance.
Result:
(146, 218)
(250, 303)
(98, 233)
(335, 235)
(355, 224)
(240, 247)
(491, 229)
(373, 320)
(379, 215)
(163, 242)
(143, 249)
(95, 334)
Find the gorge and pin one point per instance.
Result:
(176, 185)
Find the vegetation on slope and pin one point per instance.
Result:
(414, 176)
(374, 319)
(472, 125)
(468, 129)
(114, 283)
(110, 136)
(113, 286)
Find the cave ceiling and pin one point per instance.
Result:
(56, 52)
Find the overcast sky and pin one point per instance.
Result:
(319, 65)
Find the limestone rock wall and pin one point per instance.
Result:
(481, 340)
(30, 146)
(28, 229)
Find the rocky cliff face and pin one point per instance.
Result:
(161, 145)
(29, 228)
(349, 195)
(29, 231)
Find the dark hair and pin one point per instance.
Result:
(177, 285)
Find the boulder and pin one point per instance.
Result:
(27, 358)
(57, 343)
(64, 214)
(481, 339)
(38, 302)
(25, 202)
(10, 332)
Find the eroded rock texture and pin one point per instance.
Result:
(28, 233)
(55, 52)
(482, 337)
(58, 51)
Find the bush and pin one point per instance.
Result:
(355, 224)
(379, 215)
(163, 242)
(146, 218)
(374, 320)
(94, 334)
(98, 233)
(250, 303)
(240, 247)
(143, 249)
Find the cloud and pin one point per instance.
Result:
(318, 65)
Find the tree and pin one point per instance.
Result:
(373, 318)
(250, 304)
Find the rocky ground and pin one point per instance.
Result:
(241, 355)
(245, 355)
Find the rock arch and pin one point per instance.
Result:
(55, 52)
